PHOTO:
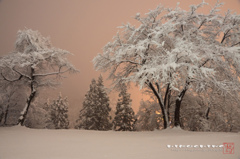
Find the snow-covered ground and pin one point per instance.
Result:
(23, 143)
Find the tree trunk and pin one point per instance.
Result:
(164, 113)
(168, 104)
(26, 108)
(23, 115)
(165, 118)
(167, 100)
(178, 106)
(6, 115)
(3, 118)
(177, 113)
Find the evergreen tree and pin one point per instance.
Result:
(104, 108)
(125, 118)
(95, 113)
(58, 113)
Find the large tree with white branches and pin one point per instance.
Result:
(35, 63)
(174, 51)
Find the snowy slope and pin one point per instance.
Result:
(23, 143)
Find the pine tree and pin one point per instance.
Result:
(104, 108)
(58, 113)
(125, 118)
(95, 113)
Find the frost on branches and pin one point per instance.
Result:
(174, 51)
(125, 117)
(59, 112)
(35, 63)
(95, 114)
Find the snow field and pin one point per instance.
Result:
(23, 143)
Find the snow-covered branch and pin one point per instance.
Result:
(21, 74)
(11, 80)
(235, 44)
(52, 73)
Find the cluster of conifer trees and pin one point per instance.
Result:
(95, 114)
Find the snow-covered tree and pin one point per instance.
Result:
(59, 112)
(37, 116)
(95, 114)
(12, 100)
(148, 116)
(210, 112)
(35, 63)
(194, 114)
(174, 51)
(124, 119)
(224, 112)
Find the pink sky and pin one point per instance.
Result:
(82, 27)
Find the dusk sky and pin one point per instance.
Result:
(82, 27)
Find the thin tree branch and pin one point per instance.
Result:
(20, 73)
(158, 88)
(51, 73)
(129, 61)
(204, 63)
(225, 36)
(17, 79)
(235, 44)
